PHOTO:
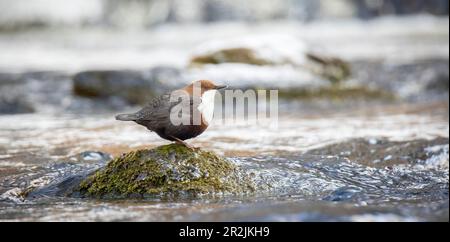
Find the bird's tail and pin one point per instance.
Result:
(126, 117)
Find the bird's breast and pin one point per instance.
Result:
(206, 107)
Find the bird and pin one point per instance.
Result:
(156, 115)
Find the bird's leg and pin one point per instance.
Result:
(181, 142)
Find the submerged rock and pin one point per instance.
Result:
(171, 170)
(36, 91)
(92, 156)
(13, 99)
(14, 105)
(60, 179)
(426, 79)
(384, 153)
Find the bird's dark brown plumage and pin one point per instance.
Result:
(155, 116)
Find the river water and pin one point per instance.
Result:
(301, 182)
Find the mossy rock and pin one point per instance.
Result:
(166, 171)
(337, 93)
(232, 55)
(330, 68)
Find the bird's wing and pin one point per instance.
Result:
(157, 112)
(157, 105)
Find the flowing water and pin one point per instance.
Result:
(304, 170)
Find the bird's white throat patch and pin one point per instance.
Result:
(206, 107)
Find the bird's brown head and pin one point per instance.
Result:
(204, 85)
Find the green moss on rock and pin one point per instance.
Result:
(170, 170)
(232, 55)
(330, 68)
(337, 93)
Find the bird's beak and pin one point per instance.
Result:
(220, 87)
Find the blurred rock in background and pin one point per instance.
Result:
(135, 87)
(24, 14)
(373, 8)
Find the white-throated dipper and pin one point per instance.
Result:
(156, 115)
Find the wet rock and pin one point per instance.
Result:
(32, 91)
(255, 10)
(134, 87)
(64, 187)
(171, 170)
(366, 9)
(438, 82)
(92, 156)
(337, 93)
(292, 83)
(63, 178)
(343, 194)
(232, 55)
(12, 99)
(384, 153)
(59, 180)
(271, 50)
(331, 68)
(419, 80)
(14, 105)
(9, 78)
